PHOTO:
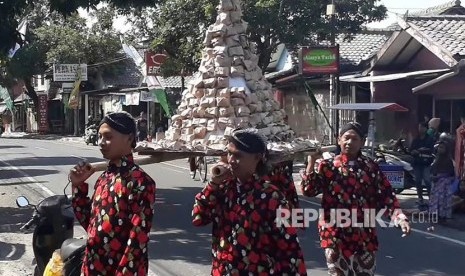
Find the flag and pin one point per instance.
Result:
(6, 98)
(74, 96)
(22, 27)
(160, 94)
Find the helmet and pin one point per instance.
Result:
(444, 136)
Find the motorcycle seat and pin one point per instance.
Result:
(71, 247)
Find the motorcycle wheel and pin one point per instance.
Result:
(95, 143)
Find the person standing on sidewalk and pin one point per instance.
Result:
(118, 217)
(422, 150)
(443, 174)
(350, 182)
(242, 204)
(142, 127)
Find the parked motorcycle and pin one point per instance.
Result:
(53, 222)
(91, 135)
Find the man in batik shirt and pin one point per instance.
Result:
(241, 204)
(118, 218)
(351, 182)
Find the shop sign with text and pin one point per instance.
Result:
(319, 60)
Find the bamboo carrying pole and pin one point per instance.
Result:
(158, 157)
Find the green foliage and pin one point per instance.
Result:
(53, 38)
(12, 11)
(178, 26)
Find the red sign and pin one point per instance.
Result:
(319, 60)
(43, 113)
(154, 62)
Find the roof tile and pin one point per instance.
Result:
(446, 30)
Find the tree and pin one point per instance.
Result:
(53, 38)
(12, 11)
(178, 26)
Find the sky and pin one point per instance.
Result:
(399, 7)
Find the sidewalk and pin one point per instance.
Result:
(16, 253)
(51, 137)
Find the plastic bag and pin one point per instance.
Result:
(55, 265)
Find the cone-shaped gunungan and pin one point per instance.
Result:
(229, 90)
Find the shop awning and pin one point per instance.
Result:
(370, 107)
(396, 76)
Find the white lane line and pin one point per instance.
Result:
(41, 148)
(174, 170)
(459, 242)
(31, 179)
(176, 166)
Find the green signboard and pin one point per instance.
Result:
(319, 60)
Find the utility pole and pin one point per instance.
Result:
(334, 78)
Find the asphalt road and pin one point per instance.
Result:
(178, 248)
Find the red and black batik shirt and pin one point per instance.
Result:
(118, 219)
(245, 237)
(352, 185)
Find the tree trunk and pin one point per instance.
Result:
(32, 93)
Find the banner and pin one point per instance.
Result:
(74, 96)
(132, 98)
(319, 60)
(161, 97)
(147, 96)
(6, 98)
(68, 72)
(43, 110)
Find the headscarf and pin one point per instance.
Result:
(352, 126)
(248, 140)
(122, 122)
(434, 123)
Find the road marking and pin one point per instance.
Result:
(176, 166)
(41, 148)
(12, 253)
(31, 179)
(174, 170)
(459, 242)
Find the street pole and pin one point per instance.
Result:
(334, 78)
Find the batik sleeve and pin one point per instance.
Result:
(82, 204)
(206, 204)
(141, 202)
(312, 183)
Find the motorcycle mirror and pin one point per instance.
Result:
(22, 201)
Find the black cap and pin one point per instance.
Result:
(248, 140)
